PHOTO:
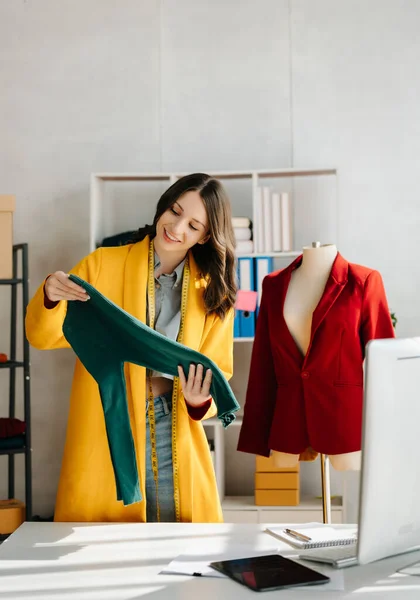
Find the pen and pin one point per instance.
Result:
(299, 536)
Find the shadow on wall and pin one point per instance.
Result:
(66, 241)
(59, 246)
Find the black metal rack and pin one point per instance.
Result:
(12, 364)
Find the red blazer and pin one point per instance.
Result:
(293, 401)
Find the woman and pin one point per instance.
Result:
(188, 253)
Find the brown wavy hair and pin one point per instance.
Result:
(215, 258)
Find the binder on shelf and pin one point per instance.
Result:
(236, 323)
(263, 266)
(246, 283)
(276, 221)
(286, 223)
(267, 220)
(259, 225)
(246, 324)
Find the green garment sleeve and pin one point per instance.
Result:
(104, 337)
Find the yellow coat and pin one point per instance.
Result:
(86, 490)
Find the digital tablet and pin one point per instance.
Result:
(272, 572)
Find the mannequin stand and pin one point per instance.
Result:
(326, 488)
(325, 468)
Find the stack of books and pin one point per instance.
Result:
(276, 486)
(242, 228)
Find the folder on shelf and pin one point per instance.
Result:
(236, 325)
(246, 284)
(267, 219)
(259, 224)
(236, 320)
(276, 221)
(263, 266)
(286, 223)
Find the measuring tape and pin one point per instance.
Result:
(151, 408)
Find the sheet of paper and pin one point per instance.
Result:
(196, 562)
(186, 565)
(246, 300)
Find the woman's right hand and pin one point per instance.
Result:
(59, 287)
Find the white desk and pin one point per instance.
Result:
(70, 561)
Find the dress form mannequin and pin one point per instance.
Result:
(305, 290)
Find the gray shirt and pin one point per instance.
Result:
(168, 289)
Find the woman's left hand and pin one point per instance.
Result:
(196, 390)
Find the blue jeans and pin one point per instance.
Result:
(163, 421)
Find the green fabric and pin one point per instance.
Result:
(14, 443)
(104, 337)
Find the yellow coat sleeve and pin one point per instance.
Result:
(44, 326)
(218, 346)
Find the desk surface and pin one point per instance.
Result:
(71, 561)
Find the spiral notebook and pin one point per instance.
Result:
(317, 534)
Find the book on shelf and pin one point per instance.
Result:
(241, 222)
(314, 535)
(259, 225)
(242, 230)
(245, 247)
(274, 221)
(286, 222)
(242, 233)
(267, 220)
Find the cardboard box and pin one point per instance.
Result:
(276, 481)
(276, 497)
(266, 465)
(12, 515)
(7, 208)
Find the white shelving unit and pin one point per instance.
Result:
(241, 509)
(255, 178)
(235, 508)
(215, 431)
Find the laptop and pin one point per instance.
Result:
(389, 507)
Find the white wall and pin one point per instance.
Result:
(356, 85)
(145, 86)
(82, 81)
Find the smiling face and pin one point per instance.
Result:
(183, 225)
